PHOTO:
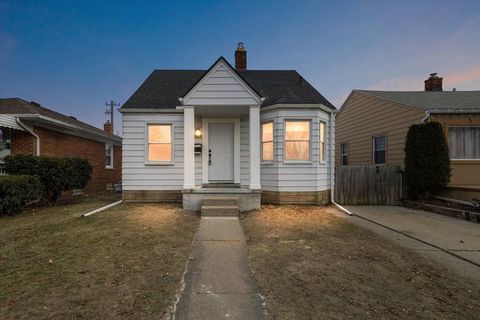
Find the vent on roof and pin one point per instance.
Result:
(72, 117)
(35, 103)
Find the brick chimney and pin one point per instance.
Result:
(240, 57)
(107, 127)
(433, 83)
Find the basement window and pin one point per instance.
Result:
(464, 143)
(108, 156)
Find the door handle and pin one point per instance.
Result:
(209, 157)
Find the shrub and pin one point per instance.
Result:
(427, 162)
(18, 191)
(57, 175)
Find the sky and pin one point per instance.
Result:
(73, 56)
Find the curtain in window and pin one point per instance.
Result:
(267, 141)
(297, 140)
(322, 141)
(160, 142)
(464, 142)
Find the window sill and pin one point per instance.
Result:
(322, 162)
(297, 162)
(152, 163)
(267, 162)
(109, 168)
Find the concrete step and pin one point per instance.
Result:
(219, 201)
(219, 211)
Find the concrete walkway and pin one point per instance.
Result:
(218, 282)
(452, 242)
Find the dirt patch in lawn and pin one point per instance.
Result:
(311, 264)
(124, 263)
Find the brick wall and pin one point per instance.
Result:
(58, 144)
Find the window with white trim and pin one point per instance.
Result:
(159, 143)
(108, 156)
(344, 153)
(5, 142)
(297, 140)
(379, 150)
(322, 134)
(267, 141)
(464, 142)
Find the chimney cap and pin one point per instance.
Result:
(434, 75)
(240, 46)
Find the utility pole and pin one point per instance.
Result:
(110, 111)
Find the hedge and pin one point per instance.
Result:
(427, 162)
(57, 175)
(18, 191)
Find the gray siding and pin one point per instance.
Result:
(136, 175)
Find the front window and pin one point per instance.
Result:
(344, 153)
(108, 156)
(322, 140)
(5, 142)
(464, 143)
(159, 143)
(267, 141)
(297, 140)
(379, 148)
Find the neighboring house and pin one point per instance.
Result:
(28, 128)
(372, 126)
(265, 132)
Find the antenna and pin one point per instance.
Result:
(110, 111)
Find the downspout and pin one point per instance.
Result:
(332, 167)
(427, 115)
(24, 126)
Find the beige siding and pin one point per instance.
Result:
(363, 117)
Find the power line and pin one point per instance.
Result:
(110, 111)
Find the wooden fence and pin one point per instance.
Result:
(368, 185)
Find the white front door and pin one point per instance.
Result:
(221, 146)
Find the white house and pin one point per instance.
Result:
(258, 135)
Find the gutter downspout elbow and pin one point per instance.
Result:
(427, 115)
(30, 130)
(332, 168)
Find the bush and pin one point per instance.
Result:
(427, 162)
(18, 191)
(57, 175)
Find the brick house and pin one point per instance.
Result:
(28, 128)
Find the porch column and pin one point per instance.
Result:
(255, 148)
(188, 147)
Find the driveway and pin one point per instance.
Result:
(453, 242)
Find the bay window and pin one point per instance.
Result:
(322, 140)
(267, 141)
(297, 140)
(159, 146)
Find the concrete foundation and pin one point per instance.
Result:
(247, 199)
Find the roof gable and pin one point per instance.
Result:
(221, 85)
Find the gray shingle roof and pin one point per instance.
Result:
(19, 106)
(162, 88)
(428, 100)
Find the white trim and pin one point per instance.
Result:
(310, 137)
(30, 130)
(236, 151)
(172, 138)
(254, 127)
(188, 147)
(111, 156)
(220, 63)
(299, 106)
(142, 110)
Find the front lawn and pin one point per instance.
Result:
(311, 264)
(124, 263)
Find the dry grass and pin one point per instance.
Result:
(311, 264)
(124, 263)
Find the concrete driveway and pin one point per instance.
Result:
(453, 242)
